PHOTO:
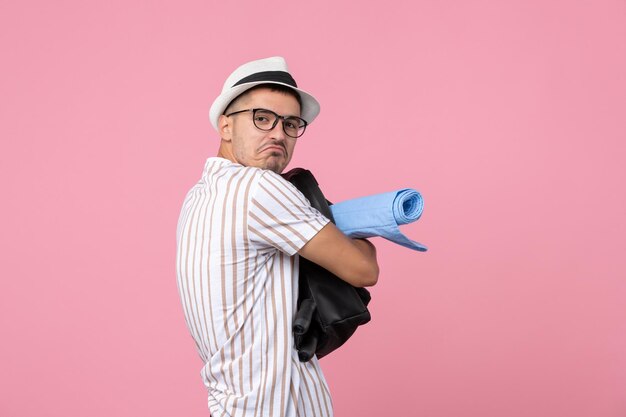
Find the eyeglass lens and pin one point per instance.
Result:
(267, 119)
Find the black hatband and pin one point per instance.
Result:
(276, 76)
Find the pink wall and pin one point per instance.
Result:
(509, 117)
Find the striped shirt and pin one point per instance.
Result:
(237, 269)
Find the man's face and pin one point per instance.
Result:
(251, 146)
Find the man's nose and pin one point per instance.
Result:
(278, 132)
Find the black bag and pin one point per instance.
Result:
(329, 309)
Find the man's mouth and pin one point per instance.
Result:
(275, 148)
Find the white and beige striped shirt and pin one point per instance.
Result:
(237, 268)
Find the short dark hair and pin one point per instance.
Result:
(273, 87)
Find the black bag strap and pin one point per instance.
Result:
(304, 181)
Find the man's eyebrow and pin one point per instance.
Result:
(284, 115)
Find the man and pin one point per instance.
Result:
(241, 229)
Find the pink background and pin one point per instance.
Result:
(509, 117)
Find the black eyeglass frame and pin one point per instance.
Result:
(278, 116)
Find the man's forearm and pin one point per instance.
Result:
(353, 260)
(369, 250)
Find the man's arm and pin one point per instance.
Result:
(353, 260)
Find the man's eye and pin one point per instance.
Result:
(262, 119)
(291, 124)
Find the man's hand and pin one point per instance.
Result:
(353, 260)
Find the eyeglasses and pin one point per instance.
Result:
(266, 120)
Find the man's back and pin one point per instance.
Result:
(238, 232)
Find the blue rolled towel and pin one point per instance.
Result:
(380, 215)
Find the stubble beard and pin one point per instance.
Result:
(272, 163)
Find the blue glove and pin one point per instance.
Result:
(380, 215)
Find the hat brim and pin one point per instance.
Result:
(309, 111)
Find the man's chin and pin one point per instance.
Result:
(275, 164)
(275, 168)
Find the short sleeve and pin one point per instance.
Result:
(280, 216)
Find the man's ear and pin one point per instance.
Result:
(224, 128)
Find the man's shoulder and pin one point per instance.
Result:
(264, 179)
(272, 182)
(220, 168)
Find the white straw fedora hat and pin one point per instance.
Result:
(263, 71)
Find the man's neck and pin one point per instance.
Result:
(225, 152)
